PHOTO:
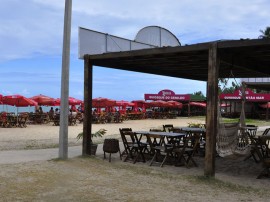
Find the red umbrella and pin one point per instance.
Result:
(124, 103)
(139, 103)
(158, 103)
(44, 100)
(266, 105)
(224, 105)
(198, 104)
(1, 97)
(103, 102)
(71, 101)
(74, 101)
(176, 104)
(18, 101)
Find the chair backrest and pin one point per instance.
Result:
(175, 130)
(266, 131)
(154, 141)
(167, 127)
(127, 136)
(122, 130)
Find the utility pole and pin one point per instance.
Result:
(64, 107)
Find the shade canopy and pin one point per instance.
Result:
(74, 101)
(266, 105)
(124, 103)
(198, 104)
(158, 103)
(103, 102)
(1, 97)
(71, 101)
(18, 101)
(176, 104)
(44, 100)
(242, 58)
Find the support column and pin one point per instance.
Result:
(188, 108)
(87, 121)
(63, 131)
(212, 102)
(267, 112)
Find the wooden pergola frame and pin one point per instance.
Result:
(205, 62)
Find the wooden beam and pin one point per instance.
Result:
(87, 121)
(212, 107)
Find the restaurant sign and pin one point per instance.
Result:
(250, 96)
(167, 95)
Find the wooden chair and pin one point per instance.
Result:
(122, 130)
(255, 148)
(134, 149)
(265, 156)
(22, 119)
(11, 120)
(3, 119)
(56, 120)
(185, 153)
(265, 132)
(159, 148)
(167, 127)
(72, 120)
(79, 117)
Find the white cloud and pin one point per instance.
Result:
(35, 27)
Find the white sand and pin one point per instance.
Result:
(47, 135)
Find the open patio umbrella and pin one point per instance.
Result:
(198, 104)
(1, 97)
(71, 101)
(175, 104)
(44, 100)
(103, 102)
(74, 101)
(266, 105)
(18, 101)
(123, 103)
(158, 103)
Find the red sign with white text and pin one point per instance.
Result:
(250, 96)
(167, 95)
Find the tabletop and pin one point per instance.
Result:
(190, 129)
(168, 134)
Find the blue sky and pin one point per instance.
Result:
(31, 38)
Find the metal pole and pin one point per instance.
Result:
(63, 131)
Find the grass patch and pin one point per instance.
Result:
(256, 122)
(228, 186)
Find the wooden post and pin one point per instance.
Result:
(212, 102)
(87, 121)
(188, 108)
(267, 112)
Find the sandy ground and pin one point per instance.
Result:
(95, 179)
(47, 135)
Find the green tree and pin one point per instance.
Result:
(198, 93)
(265, 34)
(225, 89)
